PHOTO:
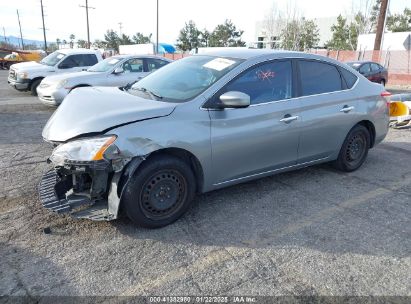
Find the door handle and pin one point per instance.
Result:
(288, 118)
(347, 109)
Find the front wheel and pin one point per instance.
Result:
(159, 192)
(354, 150)
(34, 85)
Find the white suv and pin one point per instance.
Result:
(26, 76)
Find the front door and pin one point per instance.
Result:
(262, 137)
(133, 70)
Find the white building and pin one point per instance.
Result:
(263, 41)
(391, 41)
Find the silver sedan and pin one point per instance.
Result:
(114, 72)
(206, 122)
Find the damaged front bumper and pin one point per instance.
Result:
(86, 189)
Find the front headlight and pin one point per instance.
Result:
(22, 75)
(61, 83)
(85, 149)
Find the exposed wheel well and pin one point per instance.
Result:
(187, 157)
(370, 127)
(80, 86)
(33, 80)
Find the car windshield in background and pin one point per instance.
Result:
(52, 59)
(184, 79)
(105, 65)
(354, 65)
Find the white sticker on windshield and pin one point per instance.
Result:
(113, 61)
(219, 64)
(59, 56)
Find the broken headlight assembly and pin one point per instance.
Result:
(87, 149)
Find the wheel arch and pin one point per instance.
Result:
(371, 129)
(35, 79)
(83, 85)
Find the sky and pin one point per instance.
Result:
(65, 17)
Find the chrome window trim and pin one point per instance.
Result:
(282, 100)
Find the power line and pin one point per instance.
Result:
(88, 27)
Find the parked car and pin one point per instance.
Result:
(202, 123)
(26, 76)
(371, 70)
(114, 71)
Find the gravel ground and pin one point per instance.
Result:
(314, 231)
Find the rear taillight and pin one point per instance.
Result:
(386, 95)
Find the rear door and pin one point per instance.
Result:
(328, 109)
(365, 70)
(262, 137)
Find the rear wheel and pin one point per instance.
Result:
(34, 85)
(160, 192)
(354, 150)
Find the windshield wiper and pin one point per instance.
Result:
(152, 94)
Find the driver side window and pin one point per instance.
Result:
(134, 65)
(68, 63)
(271, 81)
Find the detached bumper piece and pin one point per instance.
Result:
(52, 192)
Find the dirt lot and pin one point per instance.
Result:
(315, 231)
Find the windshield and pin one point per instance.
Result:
(105, 65)
(184, 79)
(52, 59)
(354, 65)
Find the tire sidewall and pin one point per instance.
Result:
(33, 87)
(131, 196)
(341, 162)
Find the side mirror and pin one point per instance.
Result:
(118, 70)
(234, 99)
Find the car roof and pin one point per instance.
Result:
(139, 56)
(77, 51)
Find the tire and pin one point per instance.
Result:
(160, 192)
(354, 150)
(33, 87)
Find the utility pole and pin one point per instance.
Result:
(88, 28)
(120, 24)
(157, 31)
(380, 25)
(21, 35)
(4, 34)
(44, 27)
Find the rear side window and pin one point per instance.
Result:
(155, 64)
(318, 77)
(89, 60)
(266, 82)
(365, 68)
(350, 78)
(375, 67)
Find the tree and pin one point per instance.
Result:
(273, 25)
(81, 43)
(72, 37)
(124, 39)
(58, 42)
(400, 22)
(300, 35)
(139, 38)
(100, 44)
(226, 34)
(189, 37)
(205, 37)
(375, 11)
(340, 37)
(111, 40)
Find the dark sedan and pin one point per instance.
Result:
(371, 70)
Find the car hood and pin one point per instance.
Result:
(31, 66)
(97, 109)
